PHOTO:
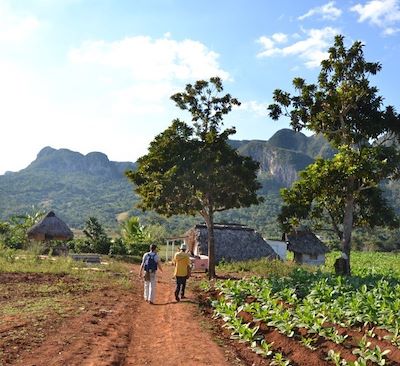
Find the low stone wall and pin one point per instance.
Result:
(88, 258)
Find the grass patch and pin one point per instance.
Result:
(29, 307)
(363, 264)
(261, 267)
(110, 270)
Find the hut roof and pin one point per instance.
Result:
(50, 227)
(232, 242)
(218, 226)
(306, 242)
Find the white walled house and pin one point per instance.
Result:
(306, 246)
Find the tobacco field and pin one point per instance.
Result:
(316, 317)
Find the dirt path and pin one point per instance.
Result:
(168, 333)
(118, 327)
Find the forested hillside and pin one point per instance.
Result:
(78, 186)
(73, 185)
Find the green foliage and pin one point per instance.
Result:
(157, 233)
(133, 232)
(80, 245)
(96, 239)
(264, 267)
(117, 247)
(7, 254)
(13, 233)
(318, 194)
(346, 110)
(313, 305)
(52, 247)
(138, 249)
(194, 170)
(120, 248)
(68, 186)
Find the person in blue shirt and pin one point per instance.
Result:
(148, 269)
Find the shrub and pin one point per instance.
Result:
(118, 247)
(137, 248)
(80, 246)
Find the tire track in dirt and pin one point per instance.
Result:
(169, 334)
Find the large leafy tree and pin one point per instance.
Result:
(348, 111)
(193, 170)
(317, 196)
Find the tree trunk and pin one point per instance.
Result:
(347, 228)
(209, 219)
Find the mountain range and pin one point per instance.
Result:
(78, 186)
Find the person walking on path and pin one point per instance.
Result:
(182, 271)
(150, 263)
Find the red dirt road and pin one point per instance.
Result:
(119, 328)
(168, 333)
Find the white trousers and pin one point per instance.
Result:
(150, 288)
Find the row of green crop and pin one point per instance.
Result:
(284, 321)
(314, 300)
(228, 311)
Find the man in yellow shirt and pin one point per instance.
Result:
(181, 273)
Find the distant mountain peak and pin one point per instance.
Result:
(289, 139)
(65, 161)
(45, 151)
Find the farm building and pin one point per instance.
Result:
(307, 248)
(50, 227)
(279, 247)
(233, 242)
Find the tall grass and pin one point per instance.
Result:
(362, 264)
(19, 261)
(262, 267)
(27, 262)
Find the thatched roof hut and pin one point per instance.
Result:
(233, 242)
(306, 246)
(50, 227)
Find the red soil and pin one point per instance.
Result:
(112, 326)
(116, 328)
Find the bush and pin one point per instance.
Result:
(101, 246)
(137, 248)
(80, 246)
(118, 247)
(7, 254)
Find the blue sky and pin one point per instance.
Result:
(96, 75)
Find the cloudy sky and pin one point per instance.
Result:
(97, 75)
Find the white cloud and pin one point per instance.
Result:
(111, 97)
(280, 37)
(15, 28)
(148, 59)
(382, 13)
(259, 109)
(268, 43)
(327, 11)
(390, 31)
(137, 75)
(312, 49)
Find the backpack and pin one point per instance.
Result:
(150, 264)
